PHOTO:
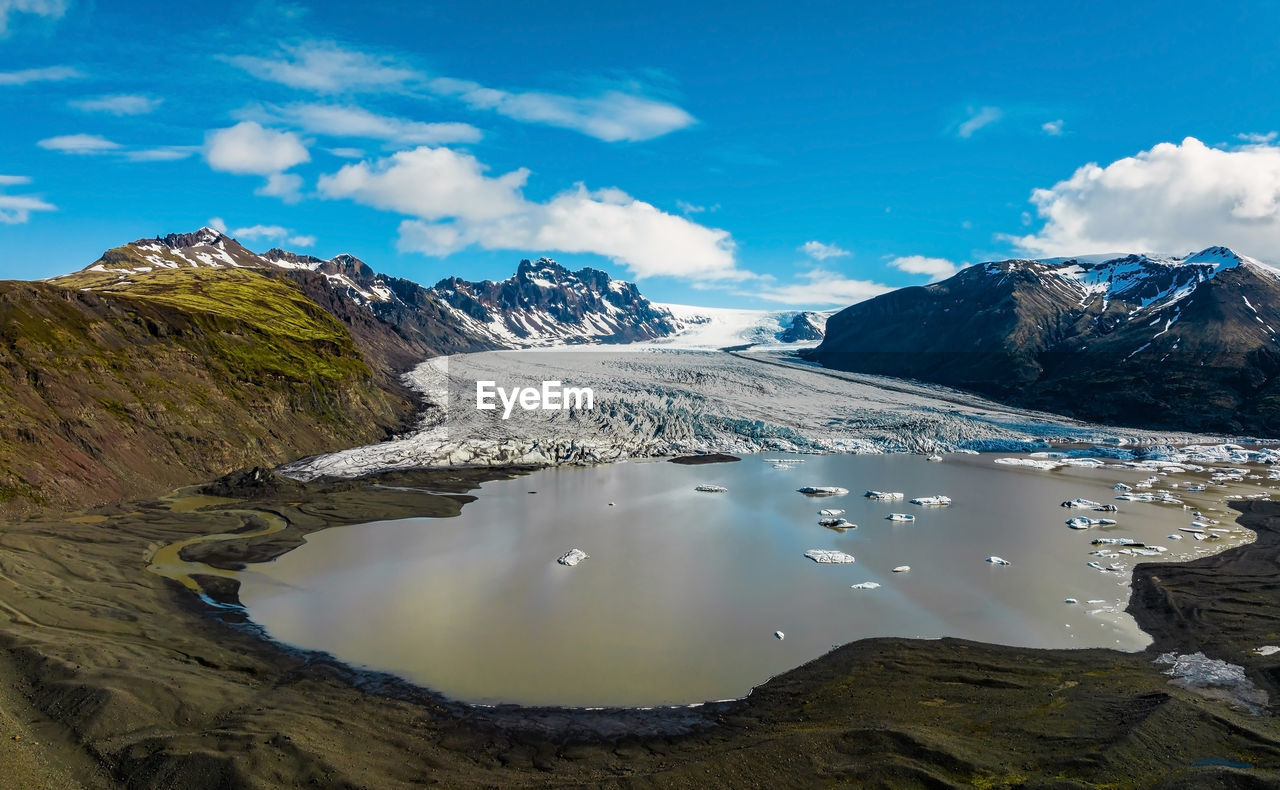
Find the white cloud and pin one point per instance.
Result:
(820, 287)
(118, 104)
(52, 9)
(1052, 128)
(286, 186)
(612, 116)
(1176, 197)
(16, 209)
(326, 67)
(1254, 138)
(269, 233)
(259, 232)
(691, 208)
(935, 268)
(455, 204)
(979, 118)
(347, 152)
(249, 149)
(164, 153)
(78, 144)
(46, 74)
(351, 121)
(820, 252)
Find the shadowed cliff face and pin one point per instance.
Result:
(175, 377)
(1187, 344)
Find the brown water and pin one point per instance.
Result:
(683, 591)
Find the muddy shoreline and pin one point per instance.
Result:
(157, 688)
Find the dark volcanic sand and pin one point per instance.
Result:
(132, 681)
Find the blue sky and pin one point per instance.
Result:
(753, 154)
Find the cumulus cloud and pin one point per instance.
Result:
(612, 116)
(820, 252)
(325, 67)
(286, 186)
(78, 144)
(1052, 128)
(454, 203)
(820, 287)
(118, 104)
(337, 120)
(16, 209)
(45, 74)
(935, 268)
(271, 233)
(250, 149)
(52, 9)
(1175, 197)
(984, 116)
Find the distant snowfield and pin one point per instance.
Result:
(651, 402)
(712, 328)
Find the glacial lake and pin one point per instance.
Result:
(682, 592)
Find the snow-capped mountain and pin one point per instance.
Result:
(546, 304)
(711, 328)
(1140, 339)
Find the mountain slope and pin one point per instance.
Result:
(187, 373)
(1139, 340)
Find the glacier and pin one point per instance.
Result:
(654, 403)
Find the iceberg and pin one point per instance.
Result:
(886, 495)
(900, 517)
(902, 569)
(831, 512)
(573, 557)
(938, 500)
(779, 635)
(710, 489)
(823, 490)
(994, 560)
(836, 523)
(864, 586)
(1084, 504)
(829, 556)
(934, 458)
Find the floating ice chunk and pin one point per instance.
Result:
(902, 569)
(831, 512)
(1081, 522)
(1096, 566)
(994, 560)
(823, 490)
(836, 523)
(779, 635)
(887, 495)
(829, 556)
(1115, 542)
(573, 557)
(1084, 504)
(900, 517)
(864, 586)
(1122, 487)
(938, 500)
(710, 489)
(1070, 600)
(934, 458)
(1174, 537)
(1044, 466)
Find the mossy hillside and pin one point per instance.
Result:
(177, 376)
(261, 326)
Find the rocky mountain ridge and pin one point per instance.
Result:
(1142, 340)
